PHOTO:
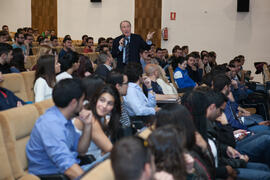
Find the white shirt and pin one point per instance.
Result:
(214, 150)
(166, 88)
(63, 75)
(42, 90)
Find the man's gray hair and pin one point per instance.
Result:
(125, 21)
(102, 58)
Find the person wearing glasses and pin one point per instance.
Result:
(19, 43)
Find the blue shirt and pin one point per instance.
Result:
(137, 104)
(231, 110)
(182, 78)
(22, 47)
(52, 145)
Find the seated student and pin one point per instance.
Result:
(105, 109)
(29, 43)
(195, 67)
(120, 82)
(89, 44)
(101, 42)
(86, 67)
(54, 42)
(7, 98)
(67, 46)
(160, 58)
(166, 86)
(84, 40)
(17, 62)
(246, 169)
(238, 117)
(136, 102)
(206, 68)
(168, 148)
(19, 43)
(3, 36)
(131, 159)
(105, 65)
(180, 74)
(69, 64)
(47, 68)
(196, 145)
(5, 57)
(152, 71)
(109, 42)
(54, 145)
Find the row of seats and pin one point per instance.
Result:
(32, 60)
(21, 84)
(15, 127)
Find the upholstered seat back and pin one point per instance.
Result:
(29, 78)
(44, 105)
(17, 124)
(15, 83)
(5, 168)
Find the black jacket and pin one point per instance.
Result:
(136, 43)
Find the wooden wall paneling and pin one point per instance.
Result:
(148, 19)
(44, 15)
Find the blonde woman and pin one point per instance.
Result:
(43, 50)
(152, 71)
(166, 86)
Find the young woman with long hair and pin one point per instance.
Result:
(105, 106)
(47, 68)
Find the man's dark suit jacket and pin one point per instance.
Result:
(136, 43)
(102, 71)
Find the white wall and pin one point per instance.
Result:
(216, 25)
(78, 17)
(15, 13)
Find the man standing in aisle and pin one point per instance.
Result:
(126, 47)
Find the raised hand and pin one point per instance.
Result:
(121, 42)
(150, 36)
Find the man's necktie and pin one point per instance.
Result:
(126, 50)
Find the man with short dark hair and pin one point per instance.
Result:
(136, 102)
(89, 44)
(101, 42)
(185, 50)
(54, 41)
(67, 43)
(145, 57)
(132, 160)
(5, 57)
(160, 57)
(109, 42)
(54, 145)
(126, 47)
(6, 29)
(19, 43)
(29, 38)
(238, 117)
(3, 36)
(84, 38)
